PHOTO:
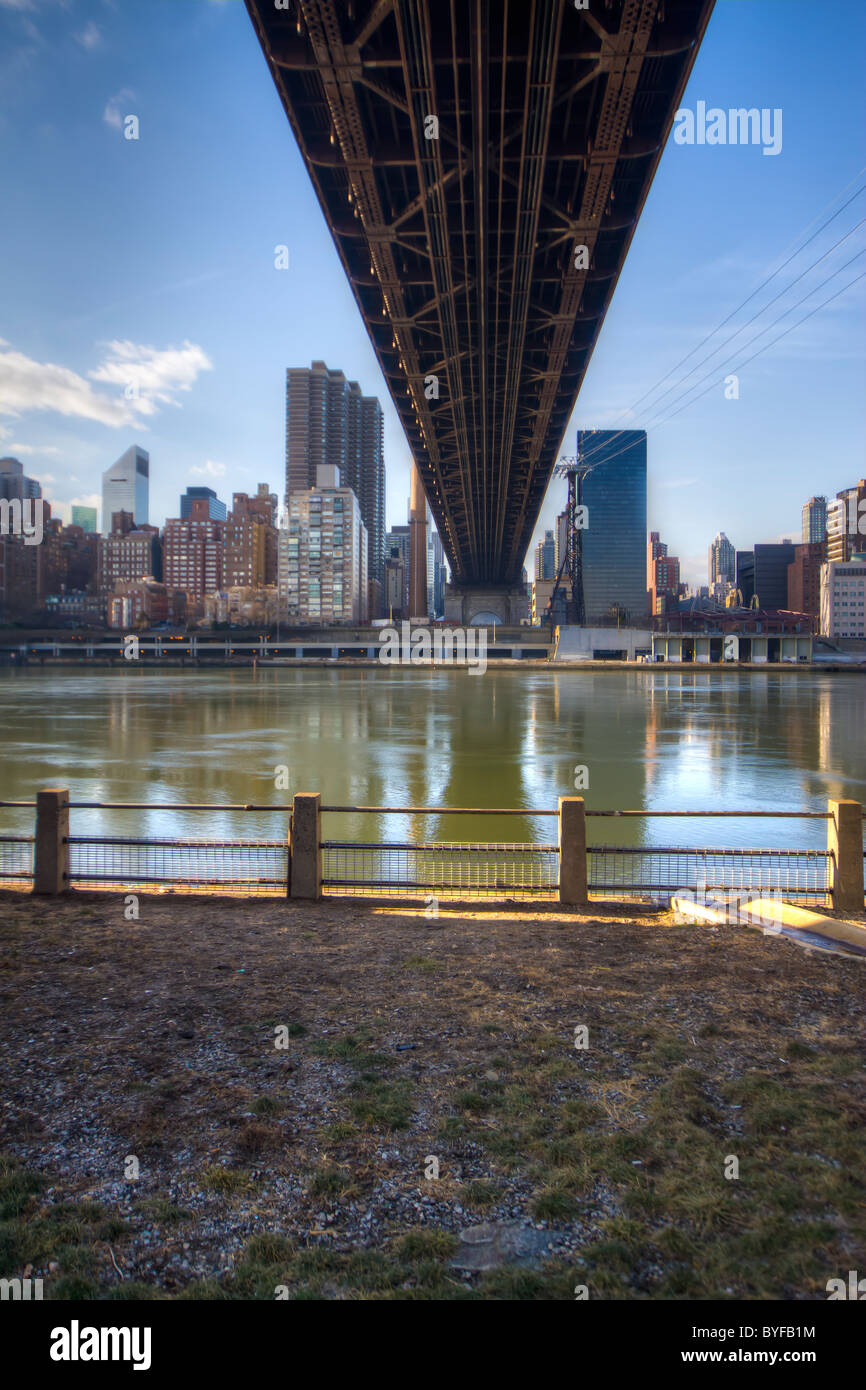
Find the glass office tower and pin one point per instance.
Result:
(614, 543)
(125, 487)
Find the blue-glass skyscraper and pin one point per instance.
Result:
(614, 541)
(216, 509)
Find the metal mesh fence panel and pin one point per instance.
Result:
(614, 869)
(243, 868)
(443, 870)
(16, 861)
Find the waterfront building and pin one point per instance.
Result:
(323, 554)
(193, 553)
(804, 579)
(843, 599)
(613, 545)
(662, 574)
(128, 553)
(329, 422)
(542, 594)
(143, 602)
(397, 548)
(125, 487)
(250, 543)
(763, 572)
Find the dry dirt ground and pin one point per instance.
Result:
(251, 1099)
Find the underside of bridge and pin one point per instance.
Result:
(482, 165)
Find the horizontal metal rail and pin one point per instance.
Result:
(443, 847)
(417, 810)
(176, 843)
(436, 811)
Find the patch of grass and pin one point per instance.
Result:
(74, 1289)
(269, 1248)
(134, 1291)
(426, 1243)
(381, 1104)
(553, 1204)
(266, 1105)
(471, 1100)
(253, 1138)
(217, 1178)
(425, 964)
(329, 1182)
(552, 1281)
(162, 1211)
(17, 1186)
(339, 1132)
(480, 1194)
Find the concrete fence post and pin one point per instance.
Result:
(572, 851)
(845, 847)
(51, 858)
(306, 867)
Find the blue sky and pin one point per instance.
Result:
(153, 261)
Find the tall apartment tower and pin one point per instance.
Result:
(125, 487)
(330, 423)
(545, 557)
(814, 520)
(722, 560)
(613, 546)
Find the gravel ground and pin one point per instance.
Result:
(293, 1069)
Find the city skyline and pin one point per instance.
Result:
(196, 311)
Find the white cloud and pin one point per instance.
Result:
(113, 114)
(149, 376)
(154, 374)
(210, 470)
(90, 37)
(16, 448)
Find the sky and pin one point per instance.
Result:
(140, 301)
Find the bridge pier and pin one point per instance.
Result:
(466, 605)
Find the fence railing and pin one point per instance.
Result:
(303, 864)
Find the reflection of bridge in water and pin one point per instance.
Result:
(482, 170)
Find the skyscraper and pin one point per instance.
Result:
(814, 520)
(85, 517)
(722, 560)
(216, 510)
(330, 423)
(763, 571)
(613, 489)
(125, 487)
(545, 557)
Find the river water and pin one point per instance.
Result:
(649, 740)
